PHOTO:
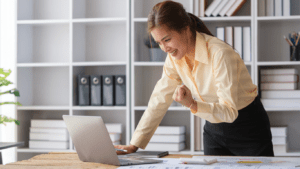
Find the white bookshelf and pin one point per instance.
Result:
(57, 40)
(271, 50)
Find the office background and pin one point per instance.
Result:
(48, 43)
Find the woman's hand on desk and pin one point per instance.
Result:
(129, 148)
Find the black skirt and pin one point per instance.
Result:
(248, 135)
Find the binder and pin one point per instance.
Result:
(83, 82)
(96, 90)
(120, 93)
(108, 90)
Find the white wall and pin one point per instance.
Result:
(8, 61)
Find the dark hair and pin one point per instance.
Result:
(174, 16)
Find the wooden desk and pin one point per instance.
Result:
(61, 160)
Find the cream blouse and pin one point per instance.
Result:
(219, 82)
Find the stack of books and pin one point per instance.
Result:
(167, 138)
(220, 7)
(48, 134)
(274, 7)
(279, 88)
(115, 132)
(238, 37)
(279, 139)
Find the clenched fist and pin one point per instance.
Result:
(183, 96)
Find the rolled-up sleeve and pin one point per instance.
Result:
(225, 71)
(160, 100)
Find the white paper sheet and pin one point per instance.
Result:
(223, 163)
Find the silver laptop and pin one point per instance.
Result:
(93, 144)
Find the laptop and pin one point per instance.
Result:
(93, 144)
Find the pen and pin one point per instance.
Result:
(120, 150)
(250, 162)
(288, 41)
(297, 40)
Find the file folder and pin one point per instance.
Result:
(120, 93)
(83, 82)
(108, 90)
(96, 90)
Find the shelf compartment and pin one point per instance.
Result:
(141, 51)
(43, 9)
(99, 8)
(108, 116)
(150, 75)
(43, 43)
(143, 7)
(294, 10)
(171, 119)
(43, 86)
(25, 116)
(270, 42)
(96, 70)
(289, 119)
(95, 42)
(99, 108)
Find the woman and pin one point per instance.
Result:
(218, 87)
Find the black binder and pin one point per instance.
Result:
(108, 90)
(120, 94)
(83, 82)
(96, 90)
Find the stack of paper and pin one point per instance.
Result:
(115, 132)
(279, 88)
(167, 138)
(48, 134)
(279, 139)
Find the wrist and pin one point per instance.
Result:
(135, 148)
(194, 105)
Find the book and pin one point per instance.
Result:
(279, 140)
(281, 103)
(116, 143)
(278, 7)
(48, 123)
(280, 78)
(280, 149)
(229, 35)
(114, 127)
(261, 7)
(279, 131)
(238, 40)
(202, 7)
(220, 33)
(226, 7)
(270, 8)
(48, 130)
(219, 8)
(48, 144)
(212, 7)
(278, 86)
(280, 94)
(286, 8)
(115, 137)
(284, 71)
(235, 7)
(167, 138)
(165, 146)
(49, 136)
(170, 130)
(149, 154)
(247, 43)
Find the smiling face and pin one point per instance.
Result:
(172, 42)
